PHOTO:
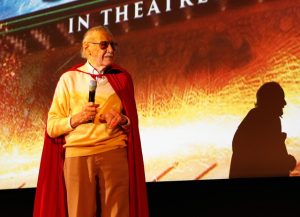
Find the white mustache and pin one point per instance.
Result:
(108, 55)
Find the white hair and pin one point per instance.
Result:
(88, 33)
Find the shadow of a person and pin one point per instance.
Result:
(259, 144)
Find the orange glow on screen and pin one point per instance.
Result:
(195, 80)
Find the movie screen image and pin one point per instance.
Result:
(196, 66)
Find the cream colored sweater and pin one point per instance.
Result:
(71, 94)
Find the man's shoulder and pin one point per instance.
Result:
(67, 75)
(73, 71)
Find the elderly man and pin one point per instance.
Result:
(103, 158)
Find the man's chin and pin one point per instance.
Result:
(280, 113)
(107, 63)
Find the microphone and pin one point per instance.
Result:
(92, 90)
(92, 93)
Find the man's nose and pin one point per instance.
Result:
(110, 48)
(283, 103)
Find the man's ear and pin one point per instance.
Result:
(85, 47)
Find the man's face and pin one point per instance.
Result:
(277, 104)
(99, 55)
(280, 106)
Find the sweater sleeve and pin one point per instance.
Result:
(59, 114)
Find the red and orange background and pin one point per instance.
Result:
(195, 79)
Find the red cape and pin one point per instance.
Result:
(50, 198)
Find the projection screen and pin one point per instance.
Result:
(196, 67)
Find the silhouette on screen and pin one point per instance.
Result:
(258, 145)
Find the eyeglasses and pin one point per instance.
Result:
(104, 44)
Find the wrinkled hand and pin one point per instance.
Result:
(113, 119)
(87, 113)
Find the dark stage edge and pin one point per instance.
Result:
(261, 197)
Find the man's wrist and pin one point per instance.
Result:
(73, 122)
(70, 123)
